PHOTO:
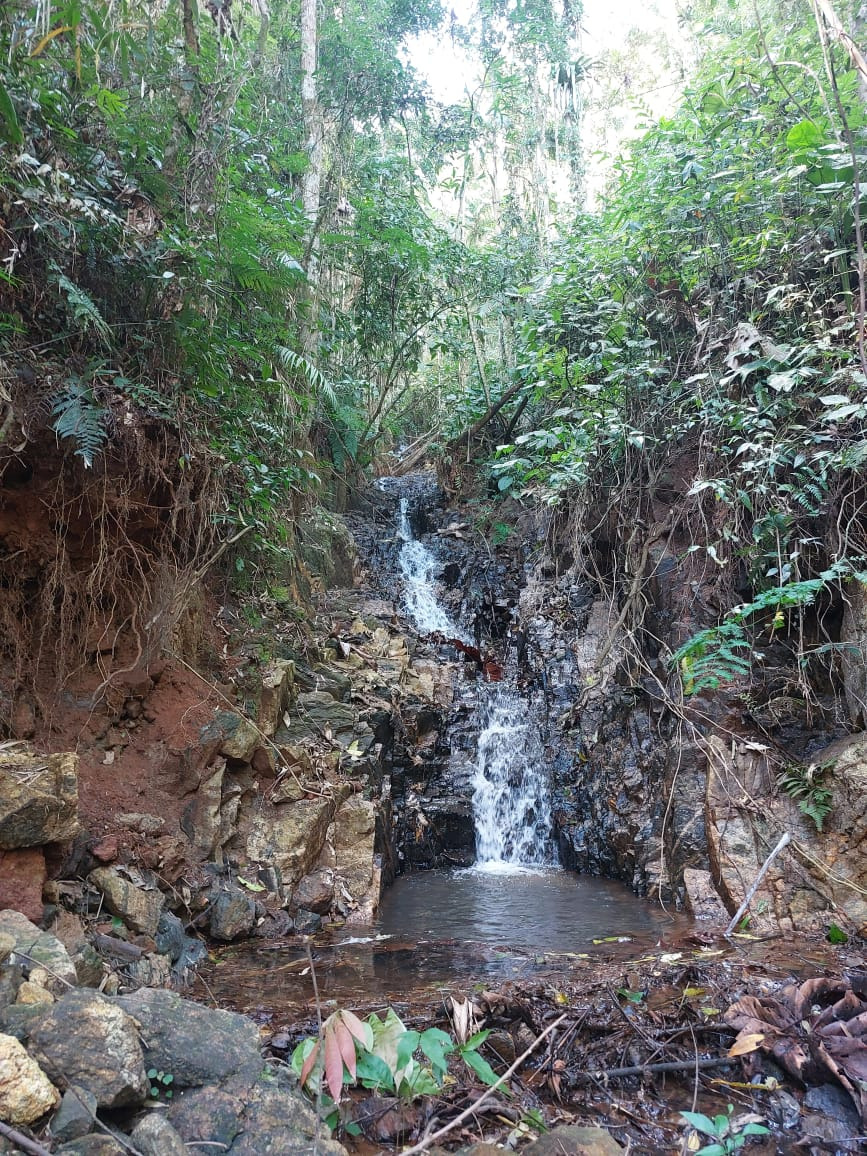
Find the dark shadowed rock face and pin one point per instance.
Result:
(197, 1045)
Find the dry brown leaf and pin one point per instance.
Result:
(746, 1043)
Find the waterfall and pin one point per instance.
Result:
(511, 807)
(417, 565)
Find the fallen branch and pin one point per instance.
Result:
(667, 1066)
(424, 1144)
(748, 898)
(23, 1142)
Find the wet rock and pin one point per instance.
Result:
(155, 1136)
(832, 1101)
(315, 891)
(277, 1119)
(137, 906)
(26, 1093)
(233, 914)
(307, 922)
(208, 1115)
(198, 1045)
(87, 1039)
(22, 877)
(183, 950)
(38, 798)
(576, 1140)
(702, 899)
(74, 1118)
(236, 735)
(277, 683)
(42, 949)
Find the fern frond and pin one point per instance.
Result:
(78, 415)
(289, 359)
(84, 312)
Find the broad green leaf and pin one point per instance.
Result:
(479, 1065)
(11, 128)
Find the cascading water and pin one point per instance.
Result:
(417, 565)
(511, 807)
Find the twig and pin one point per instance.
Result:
(38, 963)
(319, 1037)
(668, 1066)
(424, 1144)
(785, 839)
(22, 1141)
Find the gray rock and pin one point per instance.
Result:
(138, 907)
(576, 1140)
(198, 1045)
(237, 736)
(201, 821)
(86, 1039)
(315, 891)
(38, 798)
(97, 1144)
(20, 1019)
(307, 922)
(832, 1101)
(232, 915)
(42, 949)
(155, 1136)
(207, 1114)
(74, 1118)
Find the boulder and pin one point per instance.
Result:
(276, 693)
(137, 906)
(290, 836)
(87, 1039)
(198, 1045)
(237, 736)
(233, 914)
(353, 837)
(22, 877)
(74, 1118)
(155, 1136)
(201, 821)
(315, 891)
(26, 1093)
(318, 715)
(41, 949)
(38, 798)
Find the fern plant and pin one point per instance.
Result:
(807, 786)
(83, 310)
(78, 415)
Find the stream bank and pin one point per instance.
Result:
(320, 764)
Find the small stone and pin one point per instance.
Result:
(307, 922)
(132, 708)
(26, 1093)
(315, 892)
(74, 1118)
(264, 761)
(154, 1136)
(41, 948)
(7, 946)
(576, 1140)
(138, 908)
(29, 993)
(143, 823)
(106, 850)
(232, 915)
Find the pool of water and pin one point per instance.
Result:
(532, 909)
(438, 929)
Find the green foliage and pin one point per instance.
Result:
(809, 787)
(160, 1084)
(79, 416)
(729, 1134)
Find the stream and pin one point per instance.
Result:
(515, 913)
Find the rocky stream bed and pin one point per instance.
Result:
(256, 813)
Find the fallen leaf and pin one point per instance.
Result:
(746, 1043)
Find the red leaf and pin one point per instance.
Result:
(355, 1025)
(333, 1066)
(345, 1044)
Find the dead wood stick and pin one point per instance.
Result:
(424, 1144)
(785, 838)
(23, 1141)
(666, 1066)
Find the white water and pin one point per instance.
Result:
(417, 565)
(511, 807)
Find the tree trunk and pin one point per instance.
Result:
(312, 118)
